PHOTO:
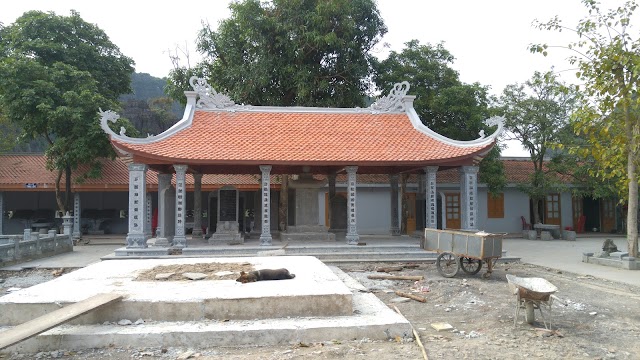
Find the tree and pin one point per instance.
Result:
(535, 113)
(290, 52)
(55, 73)
(608, 64)
(443, 102)
(10, 134)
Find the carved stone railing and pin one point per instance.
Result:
(20, 248)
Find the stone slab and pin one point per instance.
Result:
(308, 236)
(622, 263)
(370, 319)
(315, 291)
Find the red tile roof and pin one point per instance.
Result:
(293, 138)
(16, 170)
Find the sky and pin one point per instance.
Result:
(488, 38)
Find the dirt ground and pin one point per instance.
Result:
(593, 319)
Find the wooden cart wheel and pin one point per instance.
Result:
(447, 264)
(528, 314)
(470, 266)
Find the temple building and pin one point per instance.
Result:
(311, 146)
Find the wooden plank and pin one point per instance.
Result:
(45, 322)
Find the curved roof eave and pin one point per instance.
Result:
(482, 141)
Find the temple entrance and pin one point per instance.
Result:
(552, 210)
(410, 212)
(452, 210)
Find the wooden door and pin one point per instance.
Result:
(577, 210)
(452, 210)
(552, 210)
(410, 208)
(608, 214)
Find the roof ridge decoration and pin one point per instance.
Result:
(209, 98)
(392, 102)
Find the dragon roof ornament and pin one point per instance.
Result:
(209, 97)
(112, 116)
(392, 102)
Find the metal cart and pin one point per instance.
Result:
(463, 250)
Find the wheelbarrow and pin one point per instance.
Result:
(531, 294)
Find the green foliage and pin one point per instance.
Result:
(10, 134)
(443, 102)
(55, 73)
(290, 52)
(536, 114)
(608, 60)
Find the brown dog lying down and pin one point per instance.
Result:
(264, 274)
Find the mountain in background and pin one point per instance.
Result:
(145, 87)
(147, 107)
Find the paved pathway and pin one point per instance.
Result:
(557, 254)
(567, 256)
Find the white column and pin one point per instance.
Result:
(395, 221)
(352, 228)
(137, 201)
(77, 216)
(265, 236)
(469, 197)
(197, 206)
(179, 240)
(431, 197)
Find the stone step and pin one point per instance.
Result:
(315, 291)
(371, 320)
(368, 318)
(256, 250)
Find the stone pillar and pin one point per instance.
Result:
(67, 224)
(265, 209)
(257, 207)
(352, 228)
(148, 216)
(164, 183)
(137, 201)
(420, 205)
(469, 197)
(395, 222)
(1, 212)
(431, 197)
(197, 206)
(179, 240)
(77, 217)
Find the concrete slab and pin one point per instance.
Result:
(370, 319)
(315, 291)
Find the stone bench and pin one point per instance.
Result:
(545, 235)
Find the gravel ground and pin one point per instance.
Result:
(594, 319)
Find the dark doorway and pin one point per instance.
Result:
(591, 210)
(213, 215)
